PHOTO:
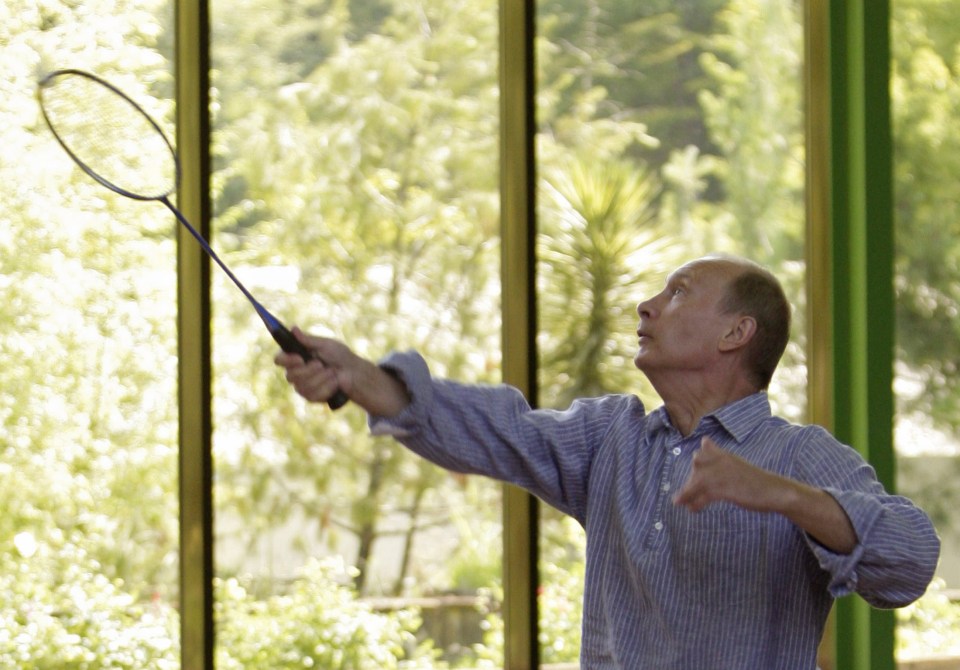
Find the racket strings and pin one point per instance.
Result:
(109, 136)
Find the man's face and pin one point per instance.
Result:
(681, 327)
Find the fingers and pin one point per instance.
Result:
(319, 385)
(691, 496)
(697, 492)
(313, 379)
(311, 342)
(717, 475)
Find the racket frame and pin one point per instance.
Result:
(280, 333)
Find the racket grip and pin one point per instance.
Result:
(289, 343)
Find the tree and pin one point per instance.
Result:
(380, 204)
(625, 63)
(88, 467)
(925, 93)
(753, 110)
(601, 249)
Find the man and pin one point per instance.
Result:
(717, 535)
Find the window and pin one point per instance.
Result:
(355, 153)
(88, 472)
(924, 91)
(355, 191)
(665, 132)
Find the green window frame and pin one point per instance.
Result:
(850, 267)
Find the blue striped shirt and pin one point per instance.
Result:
(666, 588)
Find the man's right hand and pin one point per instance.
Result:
(365, 383)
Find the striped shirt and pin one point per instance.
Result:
(666, 588)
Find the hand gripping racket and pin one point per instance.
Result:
(117, 143)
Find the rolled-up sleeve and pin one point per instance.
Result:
(412, 370)
(897, 545)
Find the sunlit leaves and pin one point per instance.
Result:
(319, 624)
(368, 181)
(602, 250)
(88, 476)
(926, 95)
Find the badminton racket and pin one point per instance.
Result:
(117, 143)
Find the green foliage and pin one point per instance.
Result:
(319, 623)
(559, 598)
(62, 611)
(88, 573)
(376, 206)
(601, 249)
(562, 572)
(625, 67)
(476, 564)
(753, 109)
(928, 627)
(926, 91)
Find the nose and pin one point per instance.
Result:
(645, 309)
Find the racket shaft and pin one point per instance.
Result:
(287, 341)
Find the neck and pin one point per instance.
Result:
(688, 401)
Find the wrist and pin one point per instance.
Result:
(380, 390)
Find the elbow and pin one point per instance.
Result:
(908, 576)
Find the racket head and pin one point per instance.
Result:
(108, 135)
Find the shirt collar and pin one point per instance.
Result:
(738, 418)
(658, 420)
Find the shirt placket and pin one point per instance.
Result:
(656, 535)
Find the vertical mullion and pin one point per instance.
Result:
(517, 197)
(193, 333)
(851, 247)
(819, 277)
(880, 312)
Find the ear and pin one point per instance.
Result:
(741, 331)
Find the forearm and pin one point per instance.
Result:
(883, 547)
(818, 514)
(885, 552)
(717, 475)
(377, 390)
(491, 430)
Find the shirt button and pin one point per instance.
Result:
(665, 487)
(658, 525)
(676, 451)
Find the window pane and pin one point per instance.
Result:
(356, 194)
(88, 473)
(666, 131)
(925, 88)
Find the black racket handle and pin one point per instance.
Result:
(289, 343)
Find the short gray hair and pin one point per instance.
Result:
(757, 293)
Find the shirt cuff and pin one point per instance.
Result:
(863, 512)
(410, 368)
